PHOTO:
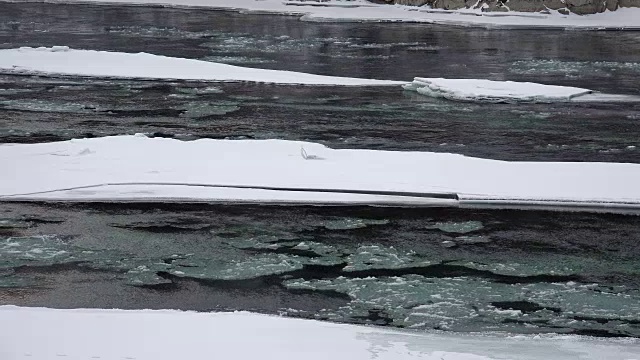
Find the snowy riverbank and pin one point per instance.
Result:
(46, 334)
(361, 10)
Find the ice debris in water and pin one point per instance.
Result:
(13, 224)
(457, 227)
(199, 90)
(48, 106)
(262, 265)
(203, 109)
(381, 257)
(446, 303)
(349, 224)
(473, 239)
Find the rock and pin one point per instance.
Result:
(580, 7)
(412, 2)
(525, 5)
(554, 4)
(449, 4)
(583, 7)
(629, 3)
(493, 6)
(611, 5)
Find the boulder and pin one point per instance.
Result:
(449, 4)
(525, 5)
(554, 4)
(583, 7)
(629, 3)
(412, 2)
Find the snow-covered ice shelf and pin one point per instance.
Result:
(47, 334)
(493, 91)
(60, 60)
(361, 10)
(137, 168)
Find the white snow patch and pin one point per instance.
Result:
(60, 60)
(138, 168)
(47, 334)
(361, 10)
(493, 91)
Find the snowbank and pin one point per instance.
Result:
(360, 10)
(493, 91)
(60, 60)
(47, 334)
(138, 168)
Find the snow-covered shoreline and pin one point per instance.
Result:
(137, 168)
(81, 334)
(361, 11)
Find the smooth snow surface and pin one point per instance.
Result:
(137, 168)
(60, 60)
(493, 91)
(361, 10)
(47, 334)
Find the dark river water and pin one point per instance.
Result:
(448, 269)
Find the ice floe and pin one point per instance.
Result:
(493, 91)
(137, 168)
(40, 333)
(61, 60)
(361, 10)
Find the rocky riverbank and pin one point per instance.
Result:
(580, 7)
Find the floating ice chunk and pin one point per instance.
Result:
(350, 224)
(493, 91)
(457, 227)
(59, 48)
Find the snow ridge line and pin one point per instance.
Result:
(443, 195)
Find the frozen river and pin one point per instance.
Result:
(449, 269)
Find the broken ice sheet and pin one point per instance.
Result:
(457, 227)
(382, 257)
(446, 303)
(199, 90)
(203, 109)
(257, 266)
(352, 223)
